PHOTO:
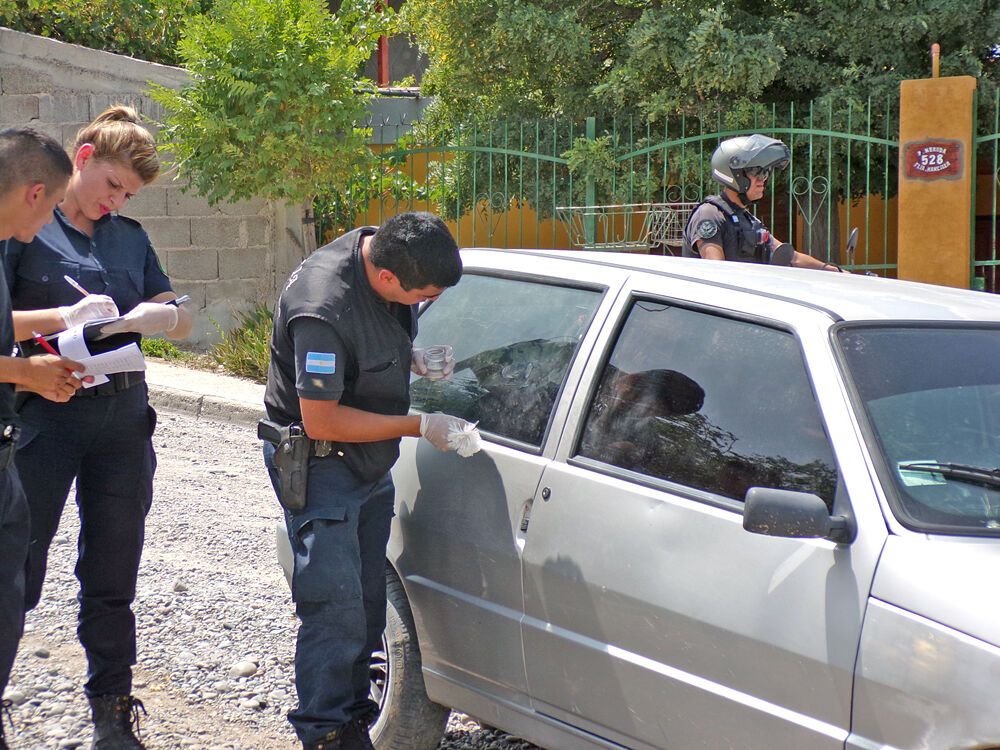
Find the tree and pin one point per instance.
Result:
(686, 67)
(541, 58)
(274, 103)
(147, 29)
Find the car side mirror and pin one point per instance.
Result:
(796, 515)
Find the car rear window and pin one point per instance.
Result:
(513, 342)
(932, 398)
(709, 402)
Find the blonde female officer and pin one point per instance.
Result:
(101, 438)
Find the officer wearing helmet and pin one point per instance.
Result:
(722, 227)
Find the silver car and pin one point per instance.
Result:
(718, 506)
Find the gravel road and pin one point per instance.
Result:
(215, 621)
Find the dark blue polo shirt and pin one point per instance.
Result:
(118, 260)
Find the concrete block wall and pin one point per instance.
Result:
(228, 257)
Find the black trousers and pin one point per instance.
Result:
(13, 551)
(104, 443)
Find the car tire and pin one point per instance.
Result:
(408, 719)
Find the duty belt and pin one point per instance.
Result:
(119, 381)
(320, 448)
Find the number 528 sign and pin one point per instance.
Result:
(933, 160)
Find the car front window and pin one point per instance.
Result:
(932, 398)
(513, 342)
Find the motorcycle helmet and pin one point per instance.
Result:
(735, 156)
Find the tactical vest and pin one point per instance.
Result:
(744, 237)
(330, 285)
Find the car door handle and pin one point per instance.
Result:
(522, 526)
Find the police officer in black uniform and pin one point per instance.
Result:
(338, 386)
(723, 227)
(34, 171)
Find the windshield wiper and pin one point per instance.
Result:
(962, 472)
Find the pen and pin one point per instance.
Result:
(43, 343)
(179, 301)
(76, 285)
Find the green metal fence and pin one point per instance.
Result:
(984, 204)
(628, 184)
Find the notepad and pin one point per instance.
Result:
(73, 344)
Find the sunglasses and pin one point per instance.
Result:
(760, 173)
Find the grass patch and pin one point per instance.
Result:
(168, 351)
(246, 349)
(161, 348)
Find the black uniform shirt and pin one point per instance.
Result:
(334, 339)
(721, 222)
(7, 414)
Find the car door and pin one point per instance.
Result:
(457, 540)
(651, 617)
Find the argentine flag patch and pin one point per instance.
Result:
(321, 363)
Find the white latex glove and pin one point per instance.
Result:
(418, 366)
(147, 318)
(448, 433)
(91, 307)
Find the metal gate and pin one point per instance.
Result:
(986, 185)
(629, 184)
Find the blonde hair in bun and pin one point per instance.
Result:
(117, 134)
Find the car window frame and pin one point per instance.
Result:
(621, 313)
(885, 473)
(605, 293)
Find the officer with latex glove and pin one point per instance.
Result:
(448, 433)
(146, 318)
(91, 307)
(314, 381)
(419, 358)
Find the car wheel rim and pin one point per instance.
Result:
(378, 672)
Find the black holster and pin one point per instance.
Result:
(291, 459)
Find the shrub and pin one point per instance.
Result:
(147, 29)
(245, 350)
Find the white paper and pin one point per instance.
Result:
(126, 358)
(73, 345)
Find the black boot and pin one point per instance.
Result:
(114, 716)
(351, 736)
(360, 739)
(5, 712)
(331, 741)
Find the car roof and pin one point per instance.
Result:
(852, 297)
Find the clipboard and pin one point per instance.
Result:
(94, 337)
(93, 330)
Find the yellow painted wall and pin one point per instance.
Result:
(877, 222)
(987, 195)
(934, 214)
(514, 228)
